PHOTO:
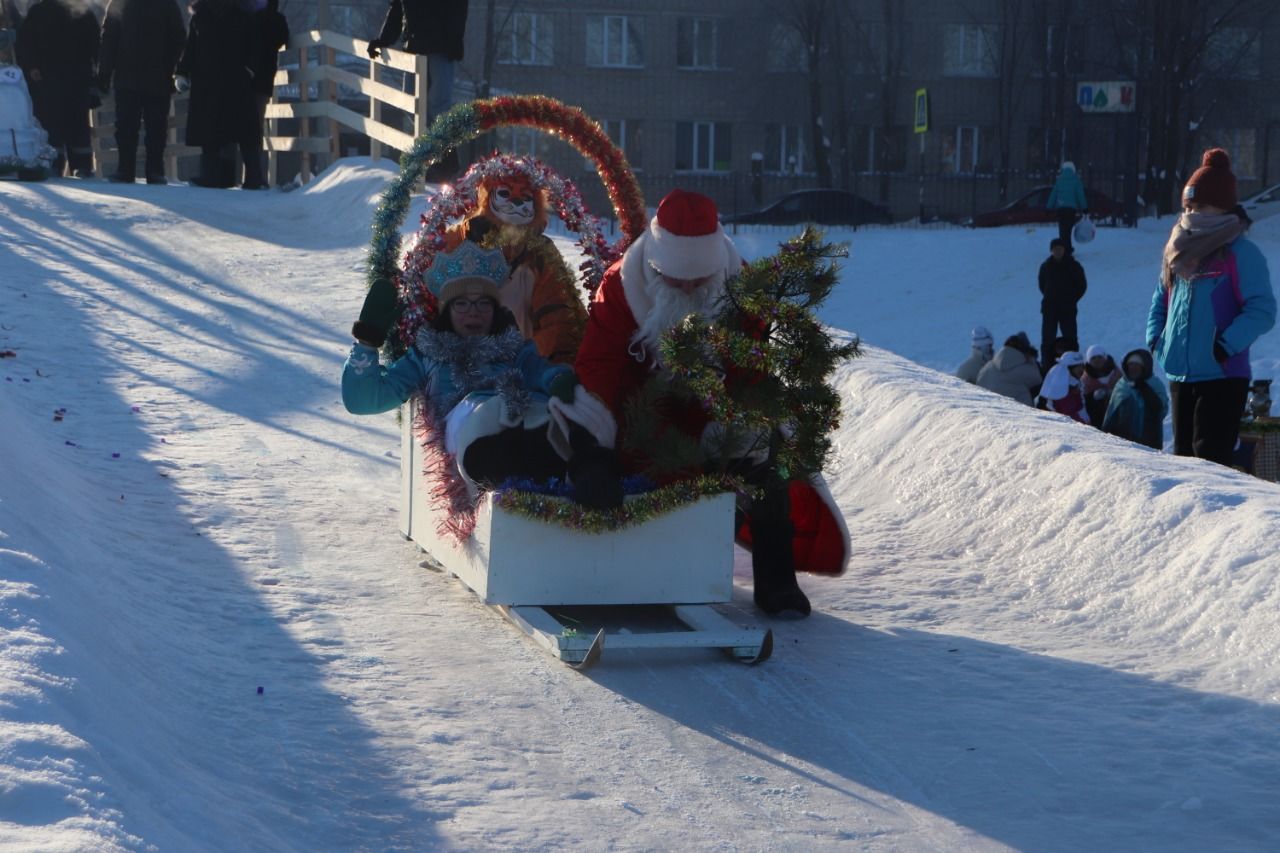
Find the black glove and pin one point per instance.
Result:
(562, 386)
(1219, 352)
(377, 315)
(374, 47)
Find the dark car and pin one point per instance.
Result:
(823, 207)
(1030, 209)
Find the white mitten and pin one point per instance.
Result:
(588, 411)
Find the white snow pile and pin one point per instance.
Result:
(212, 637)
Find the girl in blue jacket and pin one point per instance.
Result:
(484, 385)
(1213, 301)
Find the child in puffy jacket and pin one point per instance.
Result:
(1138, 403)
(1100, 377)
(1062, 389)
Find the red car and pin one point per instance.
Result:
(1030, 209)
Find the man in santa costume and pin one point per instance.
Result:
(678, 267)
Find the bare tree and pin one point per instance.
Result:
(811, 20)
(1165, 43)
(882, 44)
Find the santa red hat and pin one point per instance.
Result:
(685, 237)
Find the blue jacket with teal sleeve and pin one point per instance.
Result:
(1067, 192)
(368, 387)
(1229, 301)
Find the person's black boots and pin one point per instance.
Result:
(596, 475)
(773, 567)
(155, 166)
(126, 165)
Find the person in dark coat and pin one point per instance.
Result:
(434, 29)
(57, 48)
(1062, 285)
(1138, 404)
(272, 35)
(141, 43)
(217, 64)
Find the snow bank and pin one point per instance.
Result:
(1073, 537)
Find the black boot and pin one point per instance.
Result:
(155, 166)
(773, 565)
(126, 165)
(596, 475)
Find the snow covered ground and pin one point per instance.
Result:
(212, 637)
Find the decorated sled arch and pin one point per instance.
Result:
(462, 124)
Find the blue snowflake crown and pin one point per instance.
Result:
(467, 261)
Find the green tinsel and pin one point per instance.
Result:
(450, 130)
(636, 511)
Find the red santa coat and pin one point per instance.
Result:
(614, 368)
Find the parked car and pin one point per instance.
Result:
(1030, 209)
(1263, 204)
(822, 207)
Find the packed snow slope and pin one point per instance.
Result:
(212, 637)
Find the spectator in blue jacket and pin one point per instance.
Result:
(1138, 402)
(1068, 198)
(1213, 300)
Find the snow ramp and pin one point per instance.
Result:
(974, 512)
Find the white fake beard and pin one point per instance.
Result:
(670, 306)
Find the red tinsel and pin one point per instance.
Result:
(575, 127)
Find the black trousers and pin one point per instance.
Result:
(63, 111)
(1067, 217)
(1206, 417)
(524, 454)
(1053, 318)
(133, 110)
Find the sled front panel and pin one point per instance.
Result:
(682, 557)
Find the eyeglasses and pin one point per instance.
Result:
(467, 306)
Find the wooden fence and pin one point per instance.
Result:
(306, 98)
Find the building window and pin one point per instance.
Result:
(969, 50)
(787, 51)
(526, 40)
(874, 43)
(960, 152)
(518, 140)
(696, 43)
(879, 149)
(783, 149)
(614, 41)
(625, 133)
(703, 146)
(1234, 53)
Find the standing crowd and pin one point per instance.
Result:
(1212, 300)
(225, 56)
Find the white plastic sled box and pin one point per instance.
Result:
(682, 557)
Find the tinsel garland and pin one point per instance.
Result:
(465, 122)
(448, 491)
(454, 202)
(761, 364)
(636, 511)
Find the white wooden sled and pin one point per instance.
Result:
(652, 586)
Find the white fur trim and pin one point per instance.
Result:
(686, 257)
(586, 410)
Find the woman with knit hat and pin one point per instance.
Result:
(1213, 300)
